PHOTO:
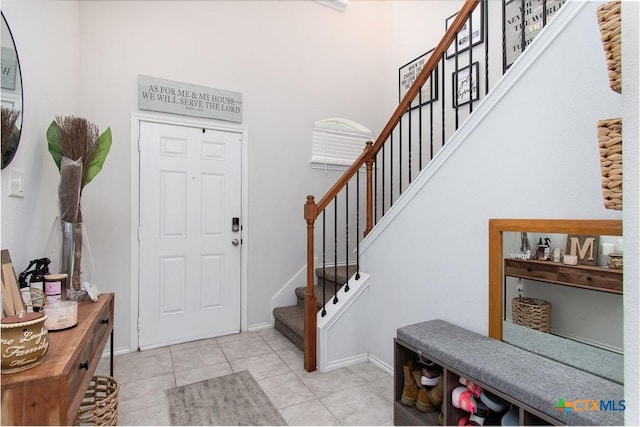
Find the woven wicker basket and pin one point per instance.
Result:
(609, 22)
(610, 143)
(532, 313)
(100, 404)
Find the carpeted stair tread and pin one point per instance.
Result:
(290, 322)
(338, 274)
(317, 290)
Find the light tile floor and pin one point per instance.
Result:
(357, 395)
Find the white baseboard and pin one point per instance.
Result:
(380, 364)
(260, 327)
(346, 362)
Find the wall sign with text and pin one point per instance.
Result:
(187, 99)
(408, 73)
(522, 21)
(465, 85)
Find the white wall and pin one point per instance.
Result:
(294, 62)
(46, 38)
(535, 156)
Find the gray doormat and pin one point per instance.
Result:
(232, 400)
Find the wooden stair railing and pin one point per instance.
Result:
(312, 210)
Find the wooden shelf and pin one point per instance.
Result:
(51, 393)
(578, 276)
(404, 415)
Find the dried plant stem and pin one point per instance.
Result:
(78, 143)
(9, 118)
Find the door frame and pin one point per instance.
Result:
(136, 119)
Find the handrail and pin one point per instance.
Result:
(312, 210)
(426, 71)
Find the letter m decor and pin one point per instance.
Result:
(585, 247)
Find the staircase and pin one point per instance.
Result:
(290, 320)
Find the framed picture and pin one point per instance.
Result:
(474, 28)
(465, 85)
(536, 16)
(585, 247)
(408, 73)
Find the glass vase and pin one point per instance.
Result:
(69, 250)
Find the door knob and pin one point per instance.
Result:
(235, 242)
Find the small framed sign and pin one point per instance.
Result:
(465, 85)
(408, 73)
(585, 247)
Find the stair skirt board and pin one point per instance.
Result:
(325, 330)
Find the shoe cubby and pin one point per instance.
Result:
(521, 414)
(403, 414)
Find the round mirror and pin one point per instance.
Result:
(11, 96)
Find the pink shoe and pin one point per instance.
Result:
(463, 421)
(475, 389)
(462, 398)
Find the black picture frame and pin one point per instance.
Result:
(477, 31)
(407, 75)
(465, 85)
(537, 15)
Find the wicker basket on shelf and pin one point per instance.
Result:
(610, 143)
(532, 312)
(100, 404)
(609, 21)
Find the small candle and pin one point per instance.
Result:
(619, 246)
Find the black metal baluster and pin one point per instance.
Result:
(357, 227)
(335, 250)
(384, 146)
(485, 32)
(346, 234)
(456, 81)
(400, 157)
(375, 190)
(523, 35)
(391, 174)
(472, 78)
(420, 125)
(443, 101)
(409, 142)
(433, 85)
(324, 262)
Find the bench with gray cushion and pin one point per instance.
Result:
(534, 380)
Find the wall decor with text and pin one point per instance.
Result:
(522, 20)
(465, 85)
(408, 73)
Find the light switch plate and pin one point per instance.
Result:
(16, 182)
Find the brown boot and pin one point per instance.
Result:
(423, 404)
(435, 394)
(410, 390)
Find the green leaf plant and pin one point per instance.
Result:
(97, 159)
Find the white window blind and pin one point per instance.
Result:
(337, 143)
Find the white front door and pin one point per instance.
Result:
(190, 257)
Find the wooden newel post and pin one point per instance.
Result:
(310, 300)
(369, 168)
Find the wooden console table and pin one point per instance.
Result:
(579, 276)
(51, 393)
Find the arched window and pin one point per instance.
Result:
(337, 143)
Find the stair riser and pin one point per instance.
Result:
(329, 293)
(290, 334)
